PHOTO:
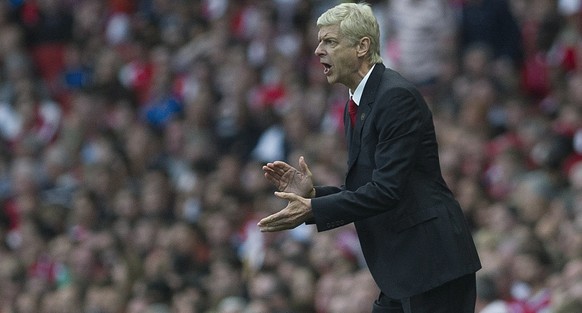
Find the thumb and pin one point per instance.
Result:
(304, 168)
(286, 195)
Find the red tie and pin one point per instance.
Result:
(353, 108)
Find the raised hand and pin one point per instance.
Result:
(286, 178)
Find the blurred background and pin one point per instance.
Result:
(132, 134)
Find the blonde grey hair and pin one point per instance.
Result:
(355, 22)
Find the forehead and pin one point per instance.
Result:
(331, 31)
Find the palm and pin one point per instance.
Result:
(287, 178)
(296, 182)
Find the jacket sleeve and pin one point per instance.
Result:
(387, 155)
(323, 191)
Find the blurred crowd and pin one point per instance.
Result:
(132, 135)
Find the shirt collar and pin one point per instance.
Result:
(357, 95)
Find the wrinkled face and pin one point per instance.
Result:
(338, 56)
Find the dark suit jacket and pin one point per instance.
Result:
(412, 231)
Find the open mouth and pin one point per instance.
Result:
(326, 67)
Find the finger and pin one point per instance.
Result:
(264, 222)
(286, 195)
(271, 220)
(304, 168)
(274, 223)
(270, 168)
(273, 180)
(281, 164)
(265, 229)
(272, 175)
(281, 167)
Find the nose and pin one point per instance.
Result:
(318, 50)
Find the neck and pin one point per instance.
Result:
(359, 75)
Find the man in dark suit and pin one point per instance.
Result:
(413, 234)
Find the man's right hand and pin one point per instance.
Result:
(286, 178)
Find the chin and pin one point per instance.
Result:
(331, 80)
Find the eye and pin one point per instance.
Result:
(330, 42)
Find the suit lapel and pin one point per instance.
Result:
(355, 135)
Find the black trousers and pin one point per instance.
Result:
(456, 296)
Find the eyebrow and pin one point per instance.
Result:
(327, 36)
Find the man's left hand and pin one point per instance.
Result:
(295, 213)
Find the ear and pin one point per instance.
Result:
(363, 46)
